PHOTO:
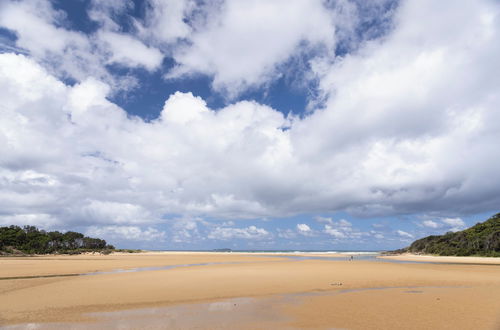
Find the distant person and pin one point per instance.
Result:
(351, 258)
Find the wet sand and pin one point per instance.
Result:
(431, 258)
(255, 291)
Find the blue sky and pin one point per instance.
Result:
(185, 124)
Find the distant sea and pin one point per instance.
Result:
(357, 252)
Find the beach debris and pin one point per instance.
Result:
(336, 284)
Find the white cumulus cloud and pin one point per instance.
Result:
(242, 42)
(304, 229)
(430, 224)
(127, 233)
(454, 224)
(335, 232)
(408, 123)
(404, 234)
(250, 232)
(41, 32)
(128, 51)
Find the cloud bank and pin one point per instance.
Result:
(407, 122)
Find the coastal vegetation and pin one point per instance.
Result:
(31, 240)
(128, 250)
(482, 239)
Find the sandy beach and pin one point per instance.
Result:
(224, 290)
(446, 259)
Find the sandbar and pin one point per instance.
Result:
(442, 259)
(284, 293)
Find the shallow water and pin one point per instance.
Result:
(145, 269)
(120, 270)
(234, 313)
(361, 257)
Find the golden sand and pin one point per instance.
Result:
(430, 258)
(327, 294)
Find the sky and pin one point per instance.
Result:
(286, 124)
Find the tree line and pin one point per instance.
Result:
(31, 240)
(482, 239)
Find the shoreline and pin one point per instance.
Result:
(174, 252)
(443, 259)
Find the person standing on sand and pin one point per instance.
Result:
(351, 258)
